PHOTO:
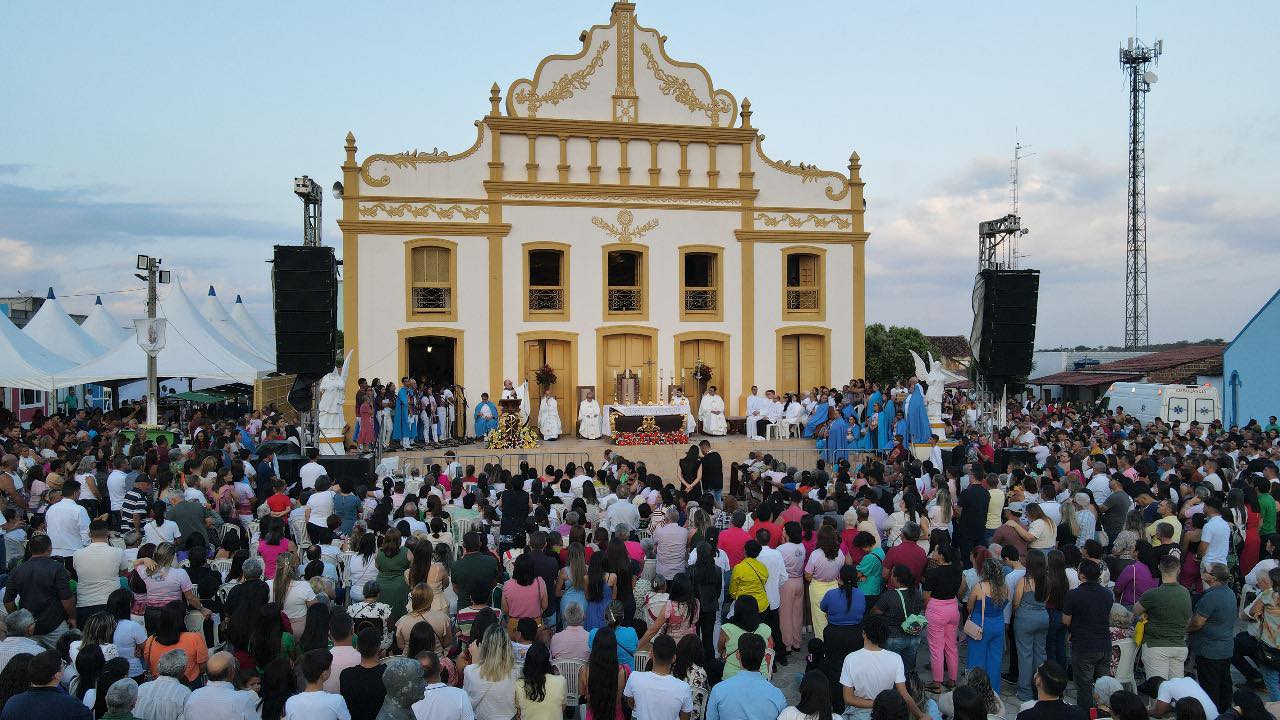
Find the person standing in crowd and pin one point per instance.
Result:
(987, 602)
(941, 590)
(1168, 611)
(41, 585)
(1212, 629)
(1086, 611)
(746, 695)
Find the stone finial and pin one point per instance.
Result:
(351, 147)
(495, 96)
(746, 113)
(855, 166)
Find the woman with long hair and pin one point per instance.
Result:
(822, 571)
(618, 561)
(128, 636)
(420, 552)
(572, 581)
(392, 560)
(279, 683)
(1068, 530)
(943, 584)
(689, 664)
(438, 575)
(600, 589)
(166, 583)
(96, 698)
(986, 607)
(746, 619)
(170, 634)
(525, 594)
(89, 663)
(1249, 517)
(267, 640)
(1056, 577)
(14, 679)
(815, 699)
(316, 634)
(691, 472)
(791, 594)
(679, 616)
(490, 680)
(1031, 621)
(601, 680)
(292, 595)
(540, 692)
(706, 579)
(272, 543)
(420, 612)
(362, 566)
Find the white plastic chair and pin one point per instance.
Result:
(1128, 655)
(299, 529)
(642, 660)
(568, 669)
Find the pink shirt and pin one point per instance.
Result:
(793, 557)
(269, 553)
(823, 568)
(523, 600)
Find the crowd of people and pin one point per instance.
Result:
(1083, 561)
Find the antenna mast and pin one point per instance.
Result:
(1002, 234)
(1135, 58)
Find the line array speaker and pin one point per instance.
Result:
(1005, 331)
(305, 284)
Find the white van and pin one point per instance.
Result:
(1147, 401)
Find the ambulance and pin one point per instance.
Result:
(1147, 401)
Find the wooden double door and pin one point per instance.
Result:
(713, 354)
(627, 351)
(802, 363)
(559, 354)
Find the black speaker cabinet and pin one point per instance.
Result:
(305, 281)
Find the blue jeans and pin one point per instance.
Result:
(1056, 641)
(1271, 678)
(1029, 633)
(906, 646)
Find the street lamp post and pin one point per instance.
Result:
(151, 332)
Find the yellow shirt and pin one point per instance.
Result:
(1172, 520)
(748, 578)
(995, 508)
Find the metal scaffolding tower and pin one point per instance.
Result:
(1135, 58)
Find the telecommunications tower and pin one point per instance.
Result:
(1135, 58)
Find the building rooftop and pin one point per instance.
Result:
(952, 346)
(1164, 359)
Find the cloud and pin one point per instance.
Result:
(78, 241)
(1208, 252)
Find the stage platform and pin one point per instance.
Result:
(660, 459)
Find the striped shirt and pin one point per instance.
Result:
(135, 503)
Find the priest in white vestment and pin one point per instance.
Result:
(757, 407)
(678, 398)
(589, 417)
(549, 416)
(793, 414)
(711, 413)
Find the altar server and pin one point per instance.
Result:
(678, 398)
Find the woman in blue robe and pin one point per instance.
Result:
(400, 428)
(884, 438)
(837, 440)
(817, 420)
(861, 440)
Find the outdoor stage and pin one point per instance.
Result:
(659, 459)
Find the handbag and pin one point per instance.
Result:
(973, 629)
(911, 624)
(1140, 631)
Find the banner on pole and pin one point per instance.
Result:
(150, 334)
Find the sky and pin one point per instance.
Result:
(175, 130)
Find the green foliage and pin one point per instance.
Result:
(888, 352)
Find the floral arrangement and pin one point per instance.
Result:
(658, 437)
(546, 376)
(510, 434)
(702, 372)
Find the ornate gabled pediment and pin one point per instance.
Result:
(622, 74)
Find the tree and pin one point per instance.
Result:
(888, 352)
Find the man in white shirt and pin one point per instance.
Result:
(1100, 483)
(1215, 539)
(313, 703)
(578, 480)
(437, 701)
(1168, 692)
(67, 522)
(657, 694)
(772, 560)
(219, 699)
(118, 484)
(1211, 476)
(318, 509)
(869, 671)
(98, 568)
(309, 473)
(622, 512)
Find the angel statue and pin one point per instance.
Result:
(936, 378)
(329, 416)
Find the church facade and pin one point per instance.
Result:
(617, 212)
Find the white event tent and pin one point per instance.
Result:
(221, 321)
(252, 329)
(101, 326)
(52, 327)
(25, 363)
(193, 348)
